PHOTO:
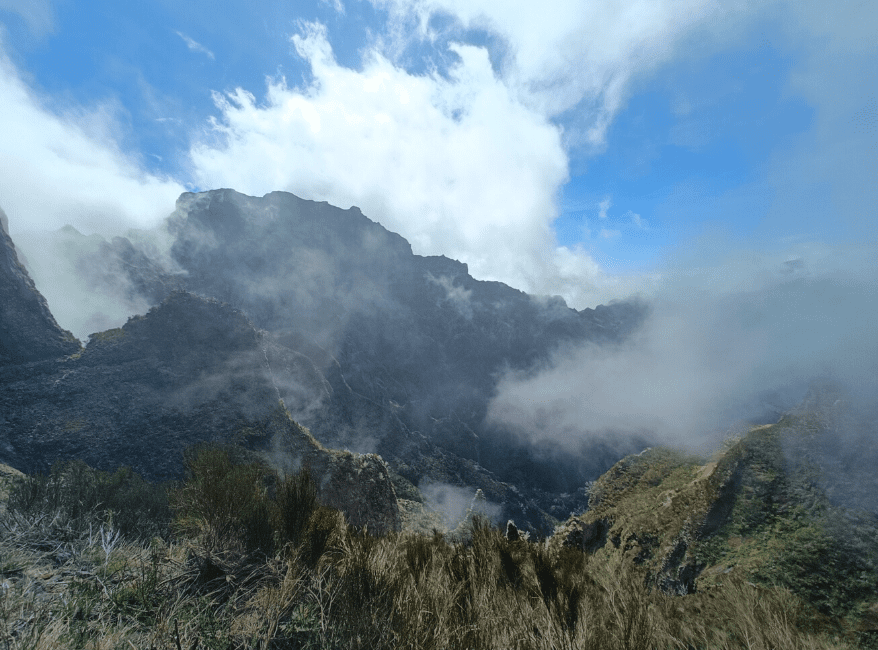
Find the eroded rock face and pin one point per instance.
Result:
(385, 351)
(190, 370)
(28, 332)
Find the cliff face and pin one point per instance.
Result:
(382, 350)
(28, 332)
(785, 504)
(190, 370)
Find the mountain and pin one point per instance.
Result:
(270, 314)
(790, 504)
(374, 348)
(191, 370)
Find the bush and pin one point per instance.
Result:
(123, 500)
(245, 504)
(225, 502)
(296, 498)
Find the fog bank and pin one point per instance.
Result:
(733, 337)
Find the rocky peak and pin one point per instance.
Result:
(383, 350)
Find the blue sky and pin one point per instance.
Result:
(573, 148)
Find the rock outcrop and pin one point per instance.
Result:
(386, 351)
(190, 370)
(28, 332)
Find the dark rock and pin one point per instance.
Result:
(383, 350)
(28, 331)
(588, 537)
(190, 370)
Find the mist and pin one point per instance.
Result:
(733, 338)
(453, 503)
(86, 283)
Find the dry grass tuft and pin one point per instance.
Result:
(255, 562)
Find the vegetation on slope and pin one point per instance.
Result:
(238, 557)
(760, 512)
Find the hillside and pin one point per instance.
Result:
(778, 506)
(675, 553)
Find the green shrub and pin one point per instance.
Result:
(225, 501)
(296, 498)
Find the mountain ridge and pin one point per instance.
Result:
(403, 351)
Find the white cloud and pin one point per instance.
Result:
(195, 46)
(610, 234)
(65, 168)
(458, 166)
(59, 168)
(467, 163)
(604, 205)
(458, 297)
(732, 335)
(335, 4)
(582, 56)
(637, 220)
(837, 76)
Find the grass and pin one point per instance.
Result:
(108, 336)
(238, 557)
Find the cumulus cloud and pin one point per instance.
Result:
(457, 164)
(573, 56)
(466, 159)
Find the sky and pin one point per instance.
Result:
(570, 148)
(704, 154)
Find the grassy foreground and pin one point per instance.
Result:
(237, 557)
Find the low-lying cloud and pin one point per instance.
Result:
(454, 503)
(736, 340)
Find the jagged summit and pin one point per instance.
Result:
(373, 348)
(410, 346)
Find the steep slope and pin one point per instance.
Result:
(403, 351)
(188, 371)
(28, 332)
(781, 505)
